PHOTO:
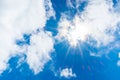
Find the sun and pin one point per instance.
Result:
(74, 31)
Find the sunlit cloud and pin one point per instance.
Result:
(97, 22)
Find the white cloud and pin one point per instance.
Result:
(18, 17)
(98, 21)
(38, 53)
(95, 54)
(74, 4)
(50, 11)
(119, 55)
(118, 63)
(67, 73)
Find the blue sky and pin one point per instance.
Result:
(60, 40)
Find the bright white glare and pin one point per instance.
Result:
(76, 35)
(76, 31)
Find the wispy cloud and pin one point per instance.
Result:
(118, 62)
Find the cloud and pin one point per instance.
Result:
(97, 22)
(119, 55)
(74, 3)
(67, 73)
(38, 52)
(95, 54)
(118, 62)
(16, 18)
(50, 11)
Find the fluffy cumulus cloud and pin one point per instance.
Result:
(96, 23)
(18, 17)
(67, 73)
(41, 45)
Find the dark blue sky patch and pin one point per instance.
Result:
(115, 2)
(24, 41)
(52, 26)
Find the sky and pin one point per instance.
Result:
(60, 39)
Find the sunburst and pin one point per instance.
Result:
(75, 31)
